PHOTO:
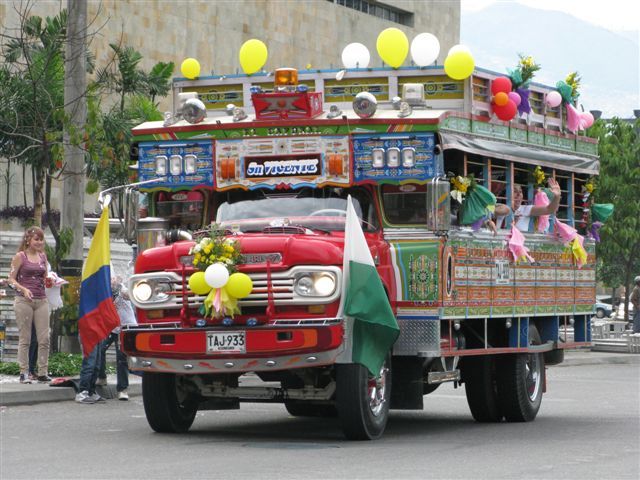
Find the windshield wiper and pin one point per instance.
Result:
(328, 232)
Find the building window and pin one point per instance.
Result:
(377, 9)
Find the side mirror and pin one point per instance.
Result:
(438, 204)
(131, 205)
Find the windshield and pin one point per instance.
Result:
(315, 209)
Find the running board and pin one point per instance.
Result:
(441, 377)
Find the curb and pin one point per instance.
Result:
(588, 359)
(10, 396)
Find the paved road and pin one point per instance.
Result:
(588, 427)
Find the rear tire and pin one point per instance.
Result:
(169, 407)
(521, 382)
(479, 377)
(362, 400)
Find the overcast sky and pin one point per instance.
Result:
(614, 15)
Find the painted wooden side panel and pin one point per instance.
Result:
(467, 277)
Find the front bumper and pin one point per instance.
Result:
(173, 349)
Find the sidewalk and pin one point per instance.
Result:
(13, 393)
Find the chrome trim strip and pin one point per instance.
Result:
(192, 366)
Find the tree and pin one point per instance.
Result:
(32, 104)
(110, 137)
(619, 249)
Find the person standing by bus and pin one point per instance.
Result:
(27, 276)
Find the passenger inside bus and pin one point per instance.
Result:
(522, 214)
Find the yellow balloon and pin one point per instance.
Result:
(197, 284)
(392, 46)
(459, 65)
(239, 285)
(253, 56)
(190, 68)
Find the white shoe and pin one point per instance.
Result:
(96, 398)
(84, 397)
(123, 395)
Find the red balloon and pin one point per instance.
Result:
(506, 112)
(501, 84)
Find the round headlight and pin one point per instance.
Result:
(161, 292)
(142, 291)
(304, 285)
(325, 285)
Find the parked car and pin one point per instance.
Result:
(603, 309)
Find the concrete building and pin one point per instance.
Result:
(298, 33)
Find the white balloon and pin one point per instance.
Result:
(355, 55)
(425, 48)
(459, 48)
(216, 275)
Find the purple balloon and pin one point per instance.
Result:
(515, 98)
(553, 99)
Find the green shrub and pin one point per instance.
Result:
(60, 365)
(65, 364)
(9, 368)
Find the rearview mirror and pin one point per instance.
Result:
(438, 204)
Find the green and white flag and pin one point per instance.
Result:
(375, 328)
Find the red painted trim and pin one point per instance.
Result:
(288, 123)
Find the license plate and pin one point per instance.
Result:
(226, 342)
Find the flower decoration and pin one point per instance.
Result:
(539, 177)
(590, 185)
(524, 72)
(461, 186)
(573, 80)
(476, 202)
(521, 77)
(216, 248)
(217, 257)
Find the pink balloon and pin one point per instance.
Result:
(515, 98)
(587, 119)
(553, 99)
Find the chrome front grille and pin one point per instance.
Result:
(281, 288)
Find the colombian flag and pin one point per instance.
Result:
(98, 315)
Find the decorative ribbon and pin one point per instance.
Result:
(595, 231)
(573, 241)
(542, 221)
(219, 304)
(578, 251)
(516, 246)
(524, 106)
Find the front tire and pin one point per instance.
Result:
(362, 400)
(521, 382)
(168, 405)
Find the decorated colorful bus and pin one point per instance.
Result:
(239, 282)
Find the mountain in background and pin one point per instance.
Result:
(608, 62)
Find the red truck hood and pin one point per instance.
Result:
(322, 249)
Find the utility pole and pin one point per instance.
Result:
(75, 86)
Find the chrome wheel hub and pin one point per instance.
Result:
(376, 388)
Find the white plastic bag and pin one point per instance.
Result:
(53, 293)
